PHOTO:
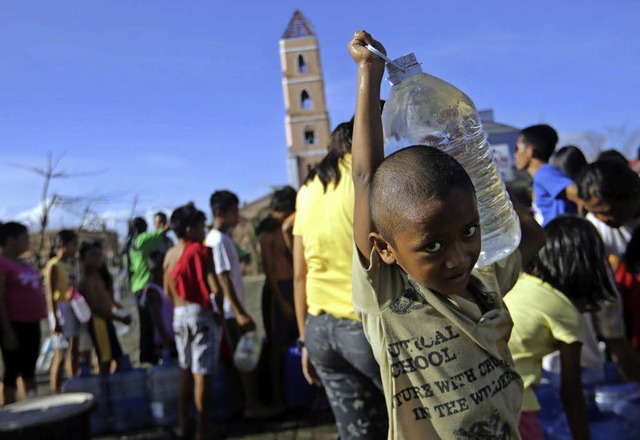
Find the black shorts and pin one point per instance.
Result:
(22, 361)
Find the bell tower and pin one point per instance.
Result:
(306, 121)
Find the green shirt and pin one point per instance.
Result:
(138, 254)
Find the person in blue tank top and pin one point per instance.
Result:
(554, 193)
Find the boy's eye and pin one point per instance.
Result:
(470, 232)
(433, 247)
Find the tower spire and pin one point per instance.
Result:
(298, 27)
(306, 120)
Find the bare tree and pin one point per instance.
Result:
(48, 202)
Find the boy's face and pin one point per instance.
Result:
(230, 217)
(21, 243)
(441, 242)
(71, 248)
(159, 222)
(523, 154)
(613, 213)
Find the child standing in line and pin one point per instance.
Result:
(225, 210)
(154, 299)
(22, 306)
(277, 295)
(95, 291)
(567, 277)
(60, 280)
(437, 326)
(190, 279)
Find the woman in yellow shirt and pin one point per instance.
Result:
(60, 281)
(335, 351)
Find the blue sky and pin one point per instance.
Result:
(174, 99)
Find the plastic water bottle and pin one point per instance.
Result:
(128, 397)
(424, 110)
(247, 353)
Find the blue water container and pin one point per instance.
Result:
(164, 386)
(602, 427)
(629, 408)
(97, 386)
(606, 396)
(298, 394)
(128, 397)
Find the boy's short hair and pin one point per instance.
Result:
(162, 216)
(223, 200)
(11, 230)
(609, 180)
(542, 138)
(283, 199)
(88, 245)
(186, 216)
(408, 177)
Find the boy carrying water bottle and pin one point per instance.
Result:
(437, 325)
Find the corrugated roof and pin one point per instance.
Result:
(298, 27)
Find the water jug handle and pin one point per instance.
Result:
(383, 56)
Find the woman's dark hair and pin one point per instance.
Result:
(327, 169)
(612, 155)
(609, 180)
(136, 227)
(573, 260)
(570, 160)
(62, 238)
(11, 230)
(185, 216)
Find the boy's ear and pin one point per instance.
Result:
(383, 248)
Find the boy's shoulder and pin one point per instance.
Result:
(214, 238)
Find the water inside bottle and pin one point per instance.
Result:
(425, 110)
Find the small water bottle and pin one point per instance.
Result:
(424, 110)
(247, 353)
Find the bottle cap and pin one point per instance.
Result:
(403, 67)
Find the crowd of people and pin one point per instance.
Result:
(370, 270)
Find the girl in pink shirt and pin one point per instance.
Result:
(22, 306)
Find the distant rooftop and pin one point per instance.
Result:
(298, 27)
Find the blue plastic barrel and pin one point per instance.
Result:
(164, 385)
(298, 394)
(629, 409)
(606, 396)
(128, 397)
(96, 385)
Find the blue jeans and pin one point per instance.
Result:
(350, 374)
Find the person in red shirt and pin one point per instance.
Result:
(189, 279)
(22, 306)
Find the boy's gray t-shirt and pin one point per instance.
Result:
(446, 368)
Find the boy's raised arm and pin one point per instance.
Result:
(367, 148)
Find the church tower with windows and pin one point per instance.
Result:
(306, 120)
